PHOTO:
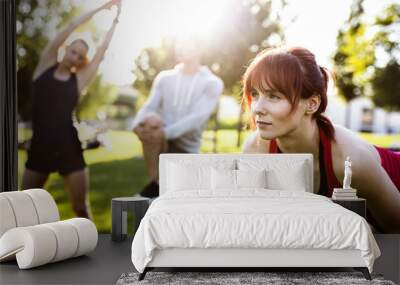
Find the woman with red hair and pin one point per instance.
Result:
(285, 89)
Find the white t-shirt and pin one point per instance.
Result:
(185, 103)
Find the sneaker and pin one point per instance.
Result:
(151, 190)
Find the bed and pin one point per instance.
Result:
(247, 210)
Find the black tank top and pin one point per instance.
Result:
(53, 103)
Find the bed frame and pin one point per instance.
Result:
(243, 259)
(246, 258)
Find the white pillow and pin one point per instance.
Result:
(251, 178)
(227, 179)
(281, 174)
(181, 177)
(223, 179)
(293, 180)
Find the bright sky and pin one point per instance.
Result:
(144, 22)
(317, 23)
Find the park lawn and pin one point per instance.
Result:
(120, 171)
(386, 141)
(116, 173)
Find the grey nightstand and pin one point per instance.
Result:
(358, 205)
(119, 208)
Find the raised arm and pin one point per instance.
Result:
(49, 54)
(368, 177)
(383, 198)
(87, 73)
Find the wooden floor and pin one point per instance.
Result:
(110, 259)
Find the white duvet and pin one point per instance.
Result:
(250, 219)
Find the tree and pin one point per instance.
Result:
(246, 28)
(367, 57)
(386, 86)
(150, 62)
(353, 56)
(98, 95)
(385, 80)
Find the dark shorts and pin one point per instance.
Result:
(64, 162)
(173, 147)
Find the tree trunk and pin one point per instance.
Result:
(239, 128)
(347, 120)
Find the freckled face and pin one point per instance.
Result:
(75, 55)
(272, 114)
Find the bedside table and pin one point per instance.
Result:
(119, 208)
(358, 205)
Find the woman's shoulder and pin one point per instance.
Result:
(350, 141)
(347, 143)
(255, 144)
(41, 72)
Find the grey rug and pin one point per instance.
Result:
(229, 278)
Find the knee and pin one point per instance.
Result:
(154, 137)
(152, 141)
(149, 127)
(153, 121)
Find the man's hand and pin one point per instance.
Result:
(111, 3)
(148, 133)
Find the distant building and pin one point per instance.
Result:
(363, 116)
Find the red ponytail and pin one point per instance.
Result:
(326, 125)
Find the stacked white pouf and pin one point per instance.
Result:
(344, 194)
(31, 233)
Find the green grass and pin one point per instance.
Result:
(386, 141)
(121, 172)
(116, 173)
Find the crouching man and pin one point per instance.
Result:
(174, 116)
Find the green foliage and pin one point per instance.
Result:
(246, 28)
(353, 55)
(150, 62)
(98, 95)
(367, 57)
(386, 86)
(385, 81)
